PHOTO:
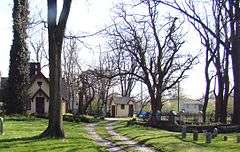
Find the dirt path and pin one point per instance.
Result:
(100, 141)
(118, 143)
(126, 142)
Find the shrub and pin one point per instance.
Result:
(132, 122)
(81, 118)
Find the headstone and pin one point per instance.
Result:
(215, 132)
(184, 132)
(238, 139)
(225, 138)
(200, 117)
(181, 117)
(208, 137)
(1, 125)
(195, 135)
(172, 117)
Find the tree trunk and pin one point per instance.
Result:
(236, 78)
(55, 39)
(80, 103)
(18, 80)
(153, 117)
(55, 127)
(235, 34)
(206, 98)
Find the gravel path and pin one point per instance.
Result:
(100, 141)
(120, 144)
(126, 142)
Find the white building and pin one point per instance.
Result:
(122, 106)
(191, 106)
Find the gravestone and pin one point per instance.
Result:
(195, 135)
(181, 117)
(184, 132)
(215, 132)
(200, 117)
(208, 137)
(172, 117)
(225, 138)
(238, 139)
(1, 125)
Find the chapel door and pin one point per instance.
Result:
(131, 111)
(113, 111)
(40, 105)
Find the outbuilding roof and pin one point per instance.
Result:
(121, 100)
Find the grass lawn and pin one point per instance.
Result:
(18, 135)
(165, 141)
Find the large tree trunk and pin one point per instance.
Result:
(153, 117)
(225, 95)
(235, 53)
(55, 40)
(236, 78)
(55, 126)
(18, 80)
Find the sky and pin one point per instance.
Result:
(88, 16)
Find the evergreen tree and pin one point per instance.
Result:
(18, 81)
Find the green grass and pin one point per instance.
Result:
(18, 137)
(165, 141)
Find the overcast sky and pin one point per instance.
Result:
(86, 16)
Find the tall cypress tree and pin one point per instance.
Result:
(18, 81)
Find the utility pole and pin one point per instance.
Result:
(141, 92)
(178, 96)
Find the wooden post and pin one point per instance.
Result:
(1, 125)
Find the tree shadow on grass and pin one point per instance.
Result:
(12, 142)
(40, 145)
(4, 143)
(33, 138)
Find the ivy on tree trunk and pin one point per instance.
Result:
(18, 81)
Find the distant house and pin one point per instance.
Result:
(192, 106)
(122, 106)
(38, 92)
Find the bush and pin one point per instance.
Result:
(18, 117)
(132, 122)
(81, 118)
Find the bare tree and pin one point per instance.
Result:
(39, 50)
(216, 37)
(37, 31)
(123, 62)
(56, 29)
(158, 54)
(106, 79)
(86, 91)
(71, 68)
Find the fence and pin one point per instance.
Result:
(189, 118)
